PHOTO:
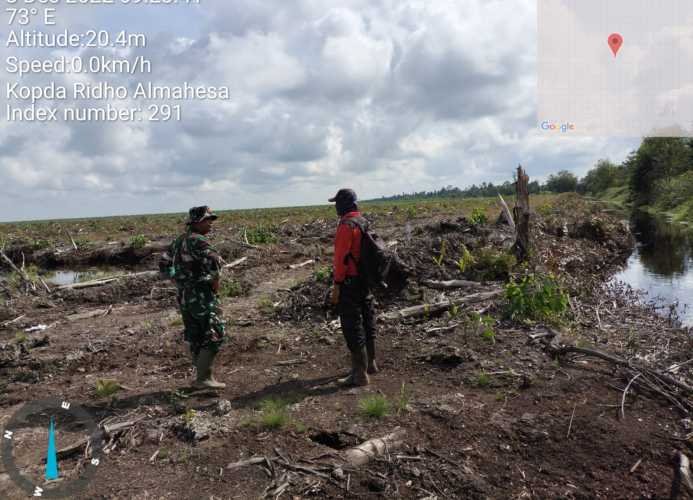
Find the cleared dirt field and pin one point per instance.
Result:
(487, 411)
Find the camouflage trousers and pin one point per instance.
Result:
(204, 326)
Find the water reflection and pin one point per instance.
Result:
(662, 264)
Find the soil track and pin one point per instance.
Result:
(499, 419)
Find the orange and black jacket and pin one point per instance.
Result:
(347, 242)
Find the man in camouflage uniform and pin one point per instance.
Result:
(195, 265)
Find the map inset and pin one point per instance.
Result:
(616, 67)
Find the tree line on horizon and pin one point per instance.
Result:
(658, 174)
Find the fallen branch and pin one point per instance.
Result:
(21, 272)
(235, 263)
(625, 391)
(365, 452)
(682, 486)
(506, 212)
(244, 463)
(447, 285)
(302, 264)
(424, 309)
(12, 321)
(106, 281)
(111, 429)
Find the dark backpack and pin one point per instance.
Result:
(376, 259)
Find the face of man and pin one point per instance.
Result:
(203, 227)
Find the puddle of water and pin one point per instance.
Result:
(70, 277)
(662, 264)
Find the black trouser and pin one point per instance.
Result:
(356, 313)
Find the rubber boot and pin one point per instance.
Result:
(205, 380)
(349, 379)
(372, 365)
(360, 371)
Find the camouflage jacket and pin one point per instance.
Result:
(191, 260)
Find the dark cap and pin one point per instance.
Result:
(198, 214)
(344, 196)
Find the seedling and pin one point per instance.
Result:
(138, 241)
(482, 379)
(374, 406)
(403, 400)
(106, 388)
(441, 256)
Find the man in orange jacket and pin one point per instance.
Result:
(350, 293)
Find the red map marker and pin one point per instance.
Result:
(615, 42)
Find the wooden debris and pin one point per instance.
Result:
(302, 264)
(506, 212)
(106, 281)
(244, 463)
(373, 448)
(424, 309)
(235, 263)
(291, 362)
(521, 214)
(12, 321)
(682, 486)
(87, 315)
(637, 464)
(451, 284)
(19, 271)
(111, 429)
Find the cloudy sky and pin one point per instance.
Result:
(385, 96)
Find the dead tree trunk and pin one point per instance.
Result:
(521, 215)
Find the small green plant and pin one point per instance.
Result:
(402, 403)
(189, 415)
(138, 241)
(411, 212)
(482, 379)
(20, 337)
(176, 322)
(438, 259)
(491, 264)
(260, 235)
(478, 216)
(106, 388)
(536, 298)
(274, 414)
(147, 325)
(427, 311)
(466, 260)
(230, 288)
(374, 406)
(455, 311)
(322, 274)
(265, 304)
(40, 244)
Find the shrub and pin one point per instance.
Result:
(274, 414)
(374, 406)
(261, 235)
(482, 379)
(138, 241)
(536, 298)
(323, 274)
(491, 264)
(478, 216)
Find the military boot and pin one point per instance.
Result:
(360, 377)
(349, 379)
(372, 365)
(205, 380)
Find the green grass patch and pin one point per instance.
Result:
(482, 379)
(261, 234)
(138, 241)
(106, 388)
(230, 288)
(374, 406)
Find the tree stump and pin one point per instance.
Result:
(521, 215)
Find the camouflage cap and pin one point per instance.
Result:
(198, 214)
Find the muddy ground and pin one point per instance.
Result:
(485, 416)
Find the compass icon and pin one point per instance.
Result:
(51, 448)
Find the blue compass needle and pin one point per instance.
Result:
(52, 457)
